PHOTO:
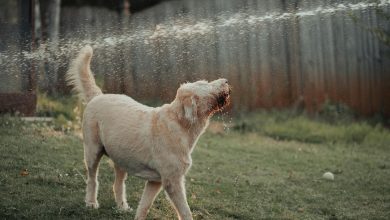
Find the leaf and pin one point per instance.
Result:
(24, 172)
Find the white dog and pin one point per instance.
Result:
(154, 144)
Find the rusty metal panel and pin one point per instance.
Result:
(23, 103)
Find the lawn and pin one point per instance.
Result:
(267, 166)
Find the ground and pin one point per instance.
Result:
(262, 168)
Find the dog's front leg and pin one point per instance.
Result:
(176, 192)
(150, 192)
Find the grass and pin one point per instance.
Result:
(268, 166)
(284, 125)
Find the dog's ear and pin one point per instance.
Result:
(190, 108)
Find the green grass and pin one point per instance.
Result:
(268, 167)
(299, 127)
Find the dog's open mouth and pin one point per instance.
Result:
(223, 99)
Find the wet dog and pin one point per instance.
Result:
(154, 144)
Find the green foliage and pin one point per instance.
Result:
(65, 110)
(330, 126)
(48, 106)
(336, 113)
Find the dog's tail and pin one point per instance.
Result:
(80, 77)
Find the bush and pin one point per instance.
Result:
(65, 110)
(336, 113)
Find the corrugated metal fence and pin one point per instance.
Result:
(276, 53)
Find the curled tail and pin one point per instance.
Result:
(80, 76)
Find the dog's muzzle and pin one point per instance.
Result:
(223, 99)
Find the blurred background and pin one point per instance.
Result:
(311, 95)
(294, 54)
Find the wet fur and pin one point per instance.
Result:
(152, 143)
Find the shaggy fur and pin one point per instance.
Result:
(154, 144)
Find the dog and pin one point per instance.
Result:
(154, 144)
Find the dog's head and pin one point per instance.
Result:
(202, 99)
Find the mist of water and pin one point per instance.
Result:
(181, 30)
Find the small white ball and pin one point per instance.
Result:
(328, 176)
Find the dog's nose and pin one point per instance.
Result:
(226, 81)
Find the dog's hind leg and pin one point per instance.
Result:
(150, 192)
(119, 188)
(92, 155)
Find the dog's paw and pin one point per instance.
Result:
(94, 205)
(124, 207)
